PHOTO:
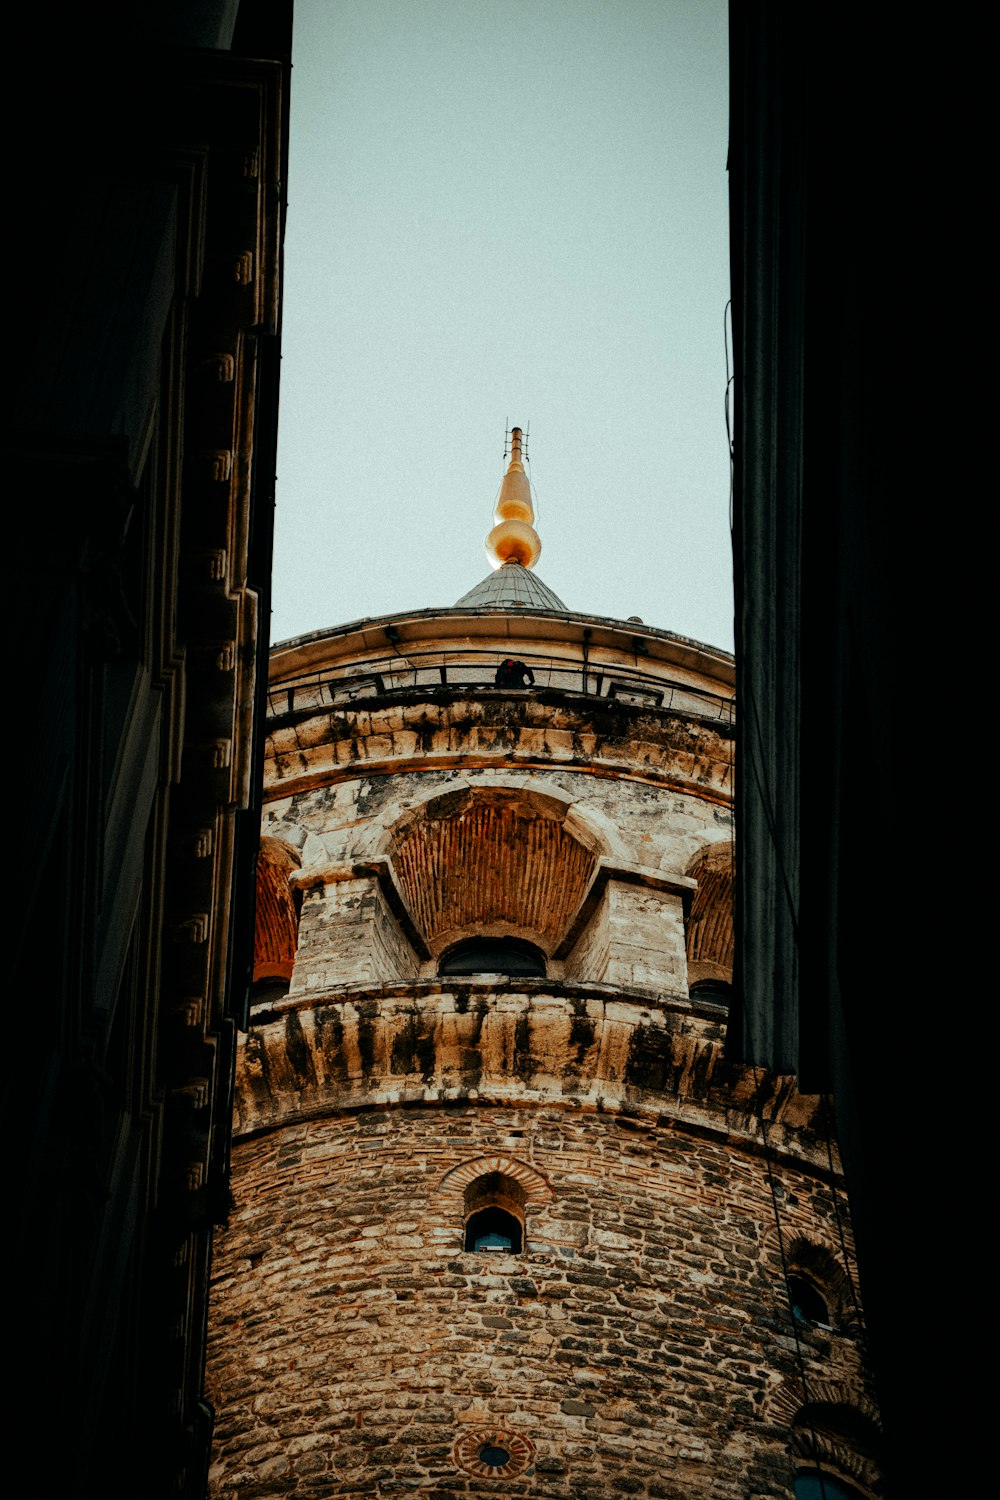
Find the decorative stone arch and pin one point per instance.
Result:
(468, 1448)
(503, 858)
(709, 930)
(495, 1194)
(534, 1186)
(276, 921)
(832, 1425)
(820, 1263)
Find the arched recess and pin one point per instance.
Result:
(710, 923)
(819, 1265)
(532, 1184)
(492, 955)
(493, 861)
(587, 824)
(495, 1214)
(495, 1193)
(276, 924)
(831, 1425)
(839, 1434)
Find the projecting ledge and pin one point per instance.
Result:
(533, 1042)
(537, 1043)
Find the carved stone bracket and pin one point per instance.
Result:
(379, 867)
(655, 880)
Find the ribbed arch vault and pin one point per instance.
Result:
(276, 924)
(710, 924)
(491, 861)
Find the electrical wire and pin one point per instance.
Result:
(829, 1119)
(727, 326)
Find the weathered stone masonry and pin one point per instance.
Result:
(643, 1343)
(638, 1343)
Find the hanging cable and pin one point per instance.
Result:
(727, 325)
(828, 1121)
(772, 1185)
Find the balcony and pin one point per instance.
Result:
(475, 668)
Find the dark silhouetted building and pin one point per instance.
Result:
(852, 264)
(147, 150)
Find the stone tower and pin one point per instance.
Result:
(506, 1222)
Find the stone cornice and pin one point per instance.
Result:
(312, 652)
(445, 730)
(514, 1042)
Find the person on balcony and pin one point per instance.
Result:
(513, 674)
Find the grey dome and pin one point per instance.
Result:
(510, 587)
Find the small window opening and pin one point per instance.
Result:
(493, 1229)
(494, 955)
(716, 991)
(494, 1215)
(493, 1456)
(268, 991)
(808, 1305)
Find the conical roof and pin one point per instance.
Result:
(510, 587)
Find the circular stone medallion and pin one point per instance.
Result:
(489, 1452)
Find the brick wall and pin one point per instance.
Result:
(642, 1345)
(637, 1344)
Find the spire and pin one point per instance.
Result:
(514, 538)
(512, 547)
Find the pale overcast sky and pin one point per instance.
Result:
(506, 213)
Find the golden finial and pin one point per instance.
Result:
(514, 539)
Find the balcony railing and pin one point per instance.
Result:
(477, 670)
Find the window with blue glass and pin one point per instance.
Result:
(493, 1229)
(818, 1484)
(807, 1302)
(494, 1215)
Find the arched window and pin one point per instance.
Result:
(818, 1484)
(269, 991)
(837, 1445)
(716, 991)
(494, 955)
(493, 1229)
(816, 1286)
(494, 1215)
(807, 1302)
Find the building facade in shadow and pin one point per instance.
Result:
(140, 433)
(854, 277)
